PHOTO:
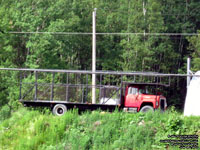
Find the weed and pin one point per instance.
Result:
(35, 130)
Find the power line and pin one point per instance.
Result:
(174, 14)
(107, 33)
(156, 13)
(57, 33)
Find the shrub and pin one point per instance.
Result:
(5, 112)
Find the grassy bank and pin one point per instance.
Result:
(35, 130)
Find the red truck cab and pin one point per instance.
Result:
(143, 97)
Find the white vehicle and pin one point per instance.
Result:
(192, 101)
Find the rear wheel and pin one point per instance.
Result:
(146, 108)
(59, 109)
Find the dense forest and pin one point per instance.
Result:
(164, 49)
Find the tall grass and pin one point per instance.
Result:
(34, 130)
(5, 112)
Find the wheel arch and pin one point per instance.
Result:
(144, 104)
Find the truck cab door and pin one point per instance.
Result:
(131, 97)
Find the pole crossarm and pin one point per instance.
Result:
(101, 72)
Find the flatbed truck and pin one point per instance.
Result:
(134, 97)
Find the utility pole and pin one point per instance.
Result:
(144, 13)
(94, 56)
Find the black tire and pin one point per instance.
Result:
(59, 109)
(146, 108)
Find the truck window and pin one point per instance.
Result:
(132, 90)
(143, 91)
(147, 90)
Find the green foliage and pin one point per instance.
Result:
(5, 112)
(195, 49)
(31, 129)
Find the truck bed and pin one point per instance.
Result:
(70, 105)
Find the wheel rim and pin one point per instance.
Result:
(147, 109)
(60, 111)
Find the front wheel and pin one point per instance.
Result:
(59, 109)
(146, 109)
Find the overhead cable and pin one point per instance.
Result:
(107, 33)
